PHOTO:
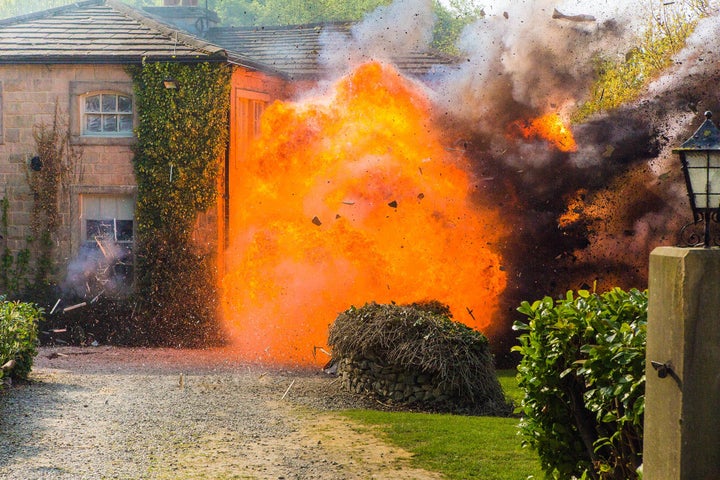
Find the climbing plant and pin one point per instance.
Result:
(182, 134)
(49, 176)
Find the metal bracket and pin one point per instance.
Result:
(662, 368)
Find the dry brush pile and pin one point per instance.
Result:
(416, 355)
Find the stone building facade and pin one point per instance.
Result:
(73, 60)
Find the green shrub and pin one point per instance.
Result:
(18, 336)
(583, 376)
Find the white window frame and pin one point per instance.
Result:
(111, 223)
(106, 111)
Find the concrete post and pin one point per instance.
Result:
(682, 410)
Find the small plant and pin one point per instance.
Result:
(583, 376)
(18, 337)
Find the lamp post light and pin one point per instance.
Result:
(700, 158)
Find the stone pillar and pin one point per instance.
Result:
(682, 410)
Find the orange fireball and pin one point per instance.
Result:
(349, 200)
(551, 128)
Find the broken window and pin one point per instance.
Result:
(104, 264)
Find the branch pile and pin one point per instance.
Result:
(422, 338)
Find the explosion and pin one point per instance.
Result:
(550, 128)
(349, 200)
(363, 195)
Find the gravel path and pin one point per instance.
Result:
(106, 413)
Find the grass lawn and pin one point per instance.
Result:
(460, 447)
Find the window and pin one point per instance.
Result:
(107, 114)
(1, 113)
(107, 223)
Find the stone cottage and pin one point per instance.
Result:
(73, 60)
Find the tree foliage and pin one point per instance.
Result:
(622, 80)
(12, 8)
(583, 374)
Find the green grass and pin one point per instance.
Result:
(509, 384)
(460, 447)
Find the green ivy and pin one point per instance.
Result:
(583, 374)
(182, 137)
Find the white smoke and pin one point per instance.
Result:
(520, 56)
(403, 27)
(93, 271)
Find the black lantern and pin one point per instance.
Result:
(700, 158)
(35, 164)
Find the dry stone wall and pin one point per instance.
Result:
(390, 383)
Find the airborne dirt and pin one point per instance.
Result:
(105, 412)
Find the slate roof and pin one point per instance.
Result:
(296, 49)
(100, 31)
(108, 31)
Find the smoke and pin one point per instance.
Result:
(523, 61)
(530, 57)
(401, 28)
(580, 217)
(98, 269)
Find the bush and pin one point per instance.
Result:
(583, 376)
(18, 336)
(422, 338)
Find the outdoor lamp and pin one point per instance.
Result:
(700, 159)
(35, 163)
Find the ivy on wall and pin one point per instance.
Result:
(49, 178)
(182, 136)
(29, 273)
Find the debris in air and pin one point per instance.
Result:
(73, 307)
(316, 221)
(572, 18)
(393, 204)
(288, 389)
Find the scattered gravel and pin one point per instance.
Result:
(116, 413)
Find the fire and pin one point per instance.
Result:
(551, 128)
(575, 208)
(349, 200)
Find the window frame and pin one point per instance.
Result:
(79, 90)
(78, 225)
(126, 262)
(2, 110)
(104, 114)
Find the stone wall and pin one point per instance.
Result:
(30, 95)
(393, 384)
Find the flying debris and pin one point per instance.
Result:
(572, 18)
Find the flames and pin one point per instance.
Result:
(550, 128)
(353, 199)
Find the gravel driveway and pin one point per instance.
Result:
(105, 412)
